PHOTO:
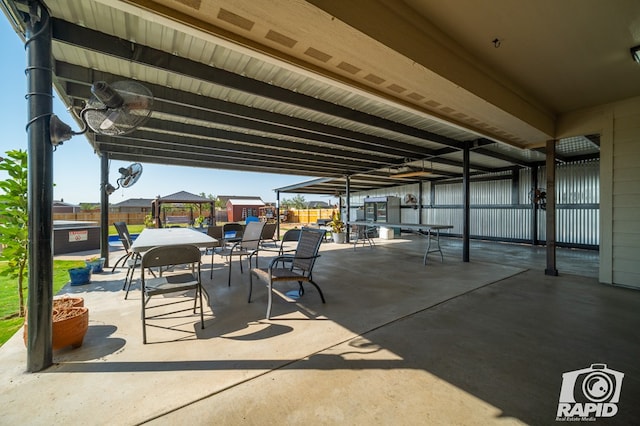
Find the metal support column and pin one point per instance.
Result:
(104, 209)
(466, 208)
(40, 189)
(278, 215)
(534, 208)
(551, 208)
(348, 196)
(420, 202)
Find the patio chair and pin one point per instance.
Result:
(236, 228)
(288, 243)
(130, 259)
(175, 282)
(362, 234)
(247, 247)
(269, 233)
(125, 239)
(300, 266)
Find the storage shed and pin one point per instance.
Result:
(240, 209)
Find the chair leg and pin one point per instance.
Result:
(213, 251)
(319, 291)
(122, 259)
(250, 286)
(270, 299)
(229, 279)
(144, 321)
(130, 279)
(201, 309)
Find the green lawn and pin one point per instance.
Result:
(9, 301)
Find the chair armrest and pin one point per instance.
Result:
(288, 258)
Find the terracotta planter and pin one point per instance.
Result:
(71, 329)
(70, 322)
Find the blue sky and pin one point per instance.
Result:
(76, 171)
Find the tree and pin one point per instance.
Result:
(89, 207)
(220, 205)
(14, 216)
(297, 202)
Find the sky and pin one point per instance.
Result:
(76, 168)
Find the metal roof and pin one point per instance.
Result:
(222, 102)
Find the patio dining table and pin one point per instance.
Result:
(430, 231)
(154, 237)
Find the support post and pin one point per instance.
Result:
(40, 190)
(278, 215)
(551, 208)
(104, 209)
(420, 202)
(348, 196)
(534, 208)
(466, 203)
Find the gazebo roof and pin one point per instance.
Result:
(184, 197)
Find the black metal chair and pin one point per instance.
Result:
(269, 233)
(288, 243)
(237, 228)
(171, 282)
(362, 234)
(300, 269)
(130, 259)
(248, 247)
(125, 239)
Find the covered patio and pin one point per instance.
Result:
(365, 94)
(483, 342)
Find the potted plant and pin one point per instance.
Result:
(338, 228)
(95, 263)
(199, 221)
(70, 322)
(80, 276)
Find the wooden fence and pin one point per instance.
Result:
(296, 216)
(130, 218)
(308, 215)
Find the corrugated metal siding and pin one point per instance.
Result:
(494, 216)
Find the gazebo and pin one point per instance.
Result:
(182, 197)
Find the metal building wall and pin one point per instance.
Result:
(493, 215)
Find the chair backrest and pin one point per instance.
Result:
(215, 232)
(123, 234)
(252, 219)
(238, 228)
(269, 231)
(308, 246)
(252, 235)
(171, 255)
(291, 235)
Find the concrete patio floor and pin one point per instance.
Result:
(396, 343)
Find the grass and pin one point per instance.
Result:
(9, 301)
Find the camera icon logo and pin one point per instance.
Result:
(589, 392)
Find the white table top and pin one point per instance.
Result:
(154, 237)
(413, 226)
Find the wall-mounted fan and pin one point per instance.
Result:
(114, 109)
(128, 176)
(538, 196)
(411, 200)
